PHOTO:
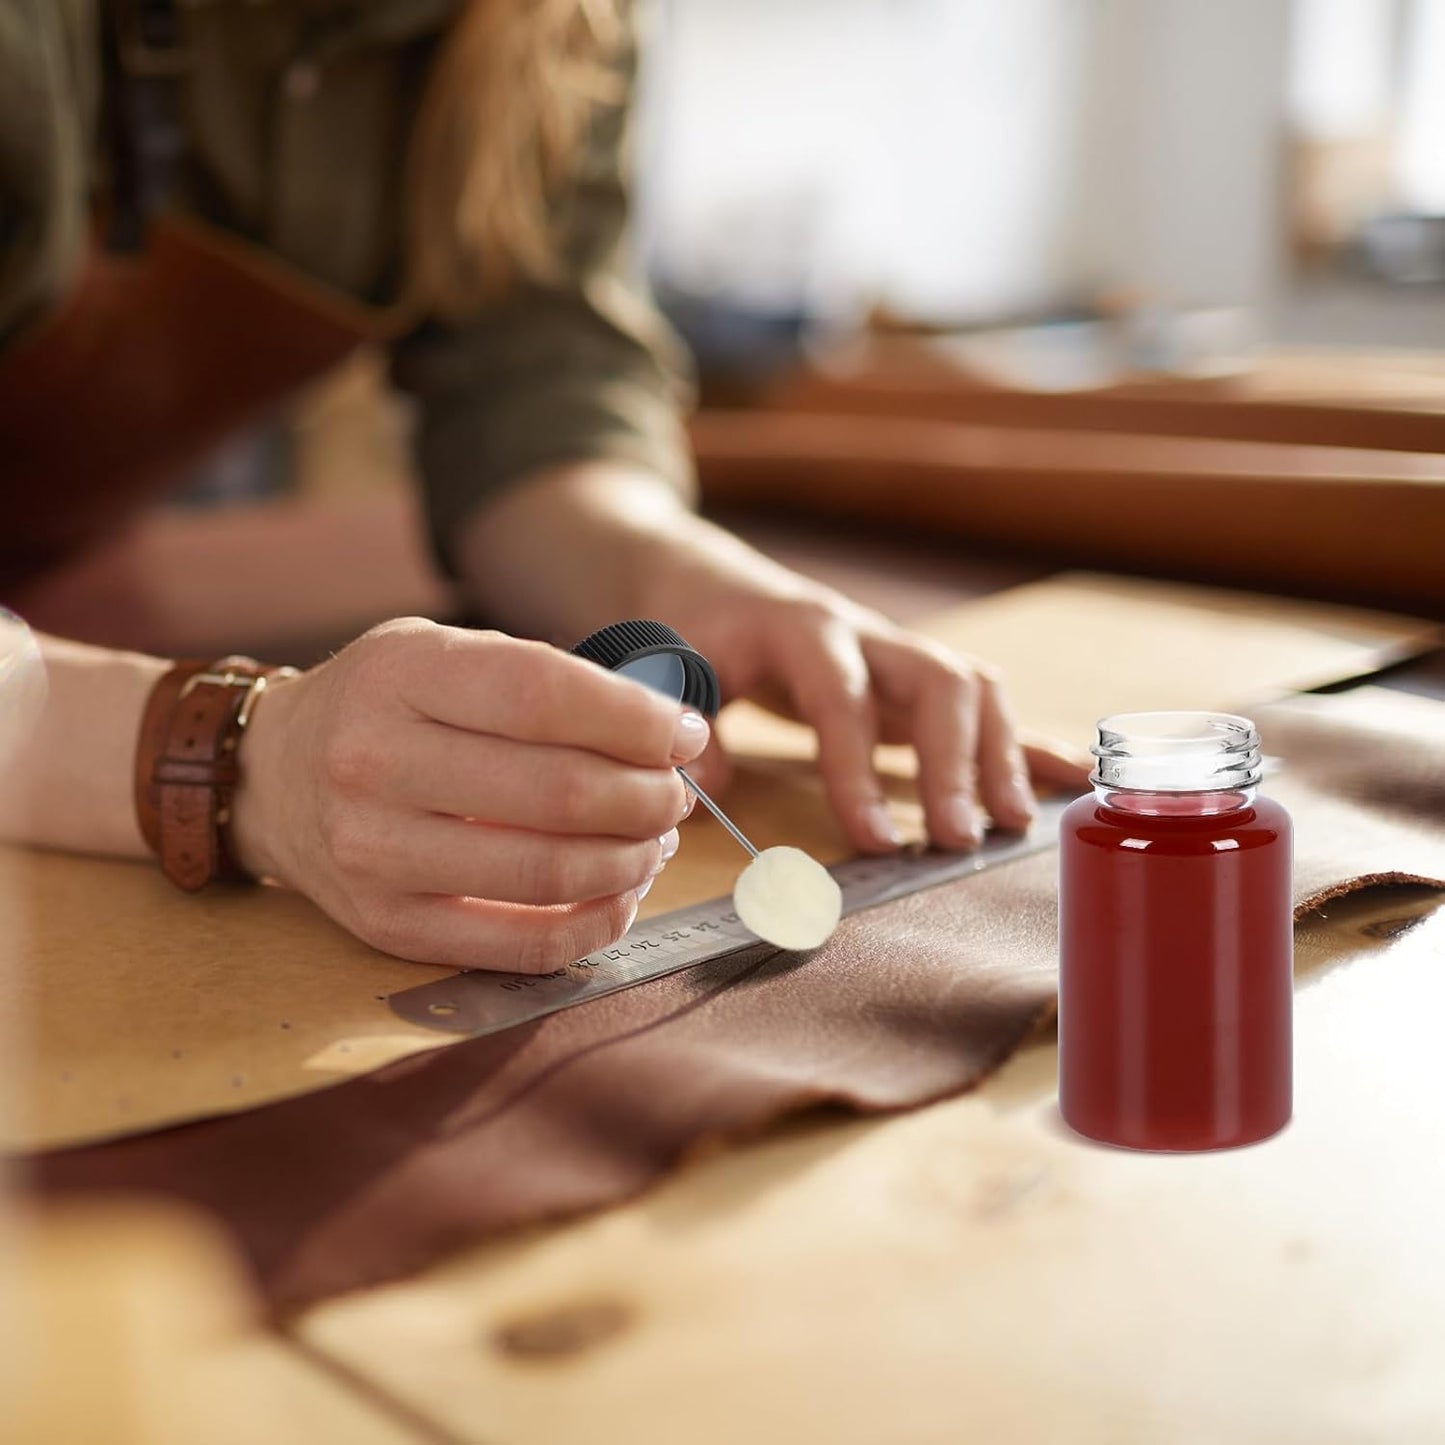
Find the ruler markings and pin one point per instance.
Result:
(485, 1002)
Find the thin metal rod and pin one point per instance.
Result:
(717, 813)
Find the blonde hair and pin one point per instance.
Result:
(501, 130)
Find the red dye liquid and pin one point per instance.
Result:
(1175, 969)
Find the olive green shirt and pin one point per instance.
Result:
(297, 115)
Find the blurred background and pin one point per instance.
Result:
(1077, 191)
(962, 163)
(1239, 201)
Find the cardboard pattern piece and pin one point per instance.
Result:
(146, 1009)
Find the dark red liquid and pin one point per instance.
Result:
(1176, 947)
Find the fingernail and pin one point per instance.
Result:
(962, 818)
(643, 888)
(669, 841)
(1023, 794)
(690, 737)
(880, 825)
(691, 803)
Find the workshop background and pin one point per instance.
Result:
(1050, 196)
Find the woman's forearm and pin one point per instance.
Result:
(190, 582)
(568, 550)
(555, 551)
(65, 772)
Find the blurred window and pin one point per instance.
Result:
(1367, 119)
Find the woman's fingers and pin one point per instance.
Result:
(945, 737)
(1055, 764)
(469, 933)
(429, 853)
(422, 766)
(1003, 779)
(485, 682)
(712, 772)
(830, 686)
(941, 702)
(841, 676)
(954, 712)
(522, 785)
(468, 799)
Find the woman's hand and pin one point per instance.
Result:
(595, 542)
(857, 679)
(465, 798)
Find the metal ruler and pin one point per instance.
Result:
(487, 1002)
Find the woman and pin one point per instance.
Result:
(457, 166)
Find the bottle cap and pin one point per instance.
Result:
(653, 654)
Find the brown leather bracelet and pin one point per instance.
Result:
(186, 767)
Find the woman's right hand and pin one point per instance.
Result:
(465, 798)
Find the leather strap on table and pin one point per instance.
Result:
(186, 766)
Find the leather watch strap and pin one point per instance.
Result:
(186, 767)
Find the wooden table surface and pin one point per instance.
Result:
(971, 1271)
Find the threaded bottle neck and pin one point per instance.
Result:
(1176, 753)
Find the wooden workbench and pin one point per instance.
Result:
(971, 1270)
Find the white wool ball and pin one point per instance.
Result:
(788, 898)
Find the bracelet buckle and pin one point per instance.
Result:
(254, 684)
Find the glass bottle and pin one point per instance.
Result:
(1176, 939)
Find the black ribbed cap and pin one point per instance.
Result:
(619, 643)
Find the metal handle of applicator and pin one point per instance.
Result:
(717, 813)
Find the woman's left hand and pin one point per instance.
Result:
(595, 541)
(858, 679)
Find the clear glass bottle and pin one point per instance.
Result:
(1176, 939)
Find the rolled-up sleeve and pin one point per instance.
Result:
(580, 370)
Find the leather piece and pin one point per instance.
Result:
(373, 1179)
(910, 1002)
(1164, 505)
(1364, 773)
(1301, 399)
